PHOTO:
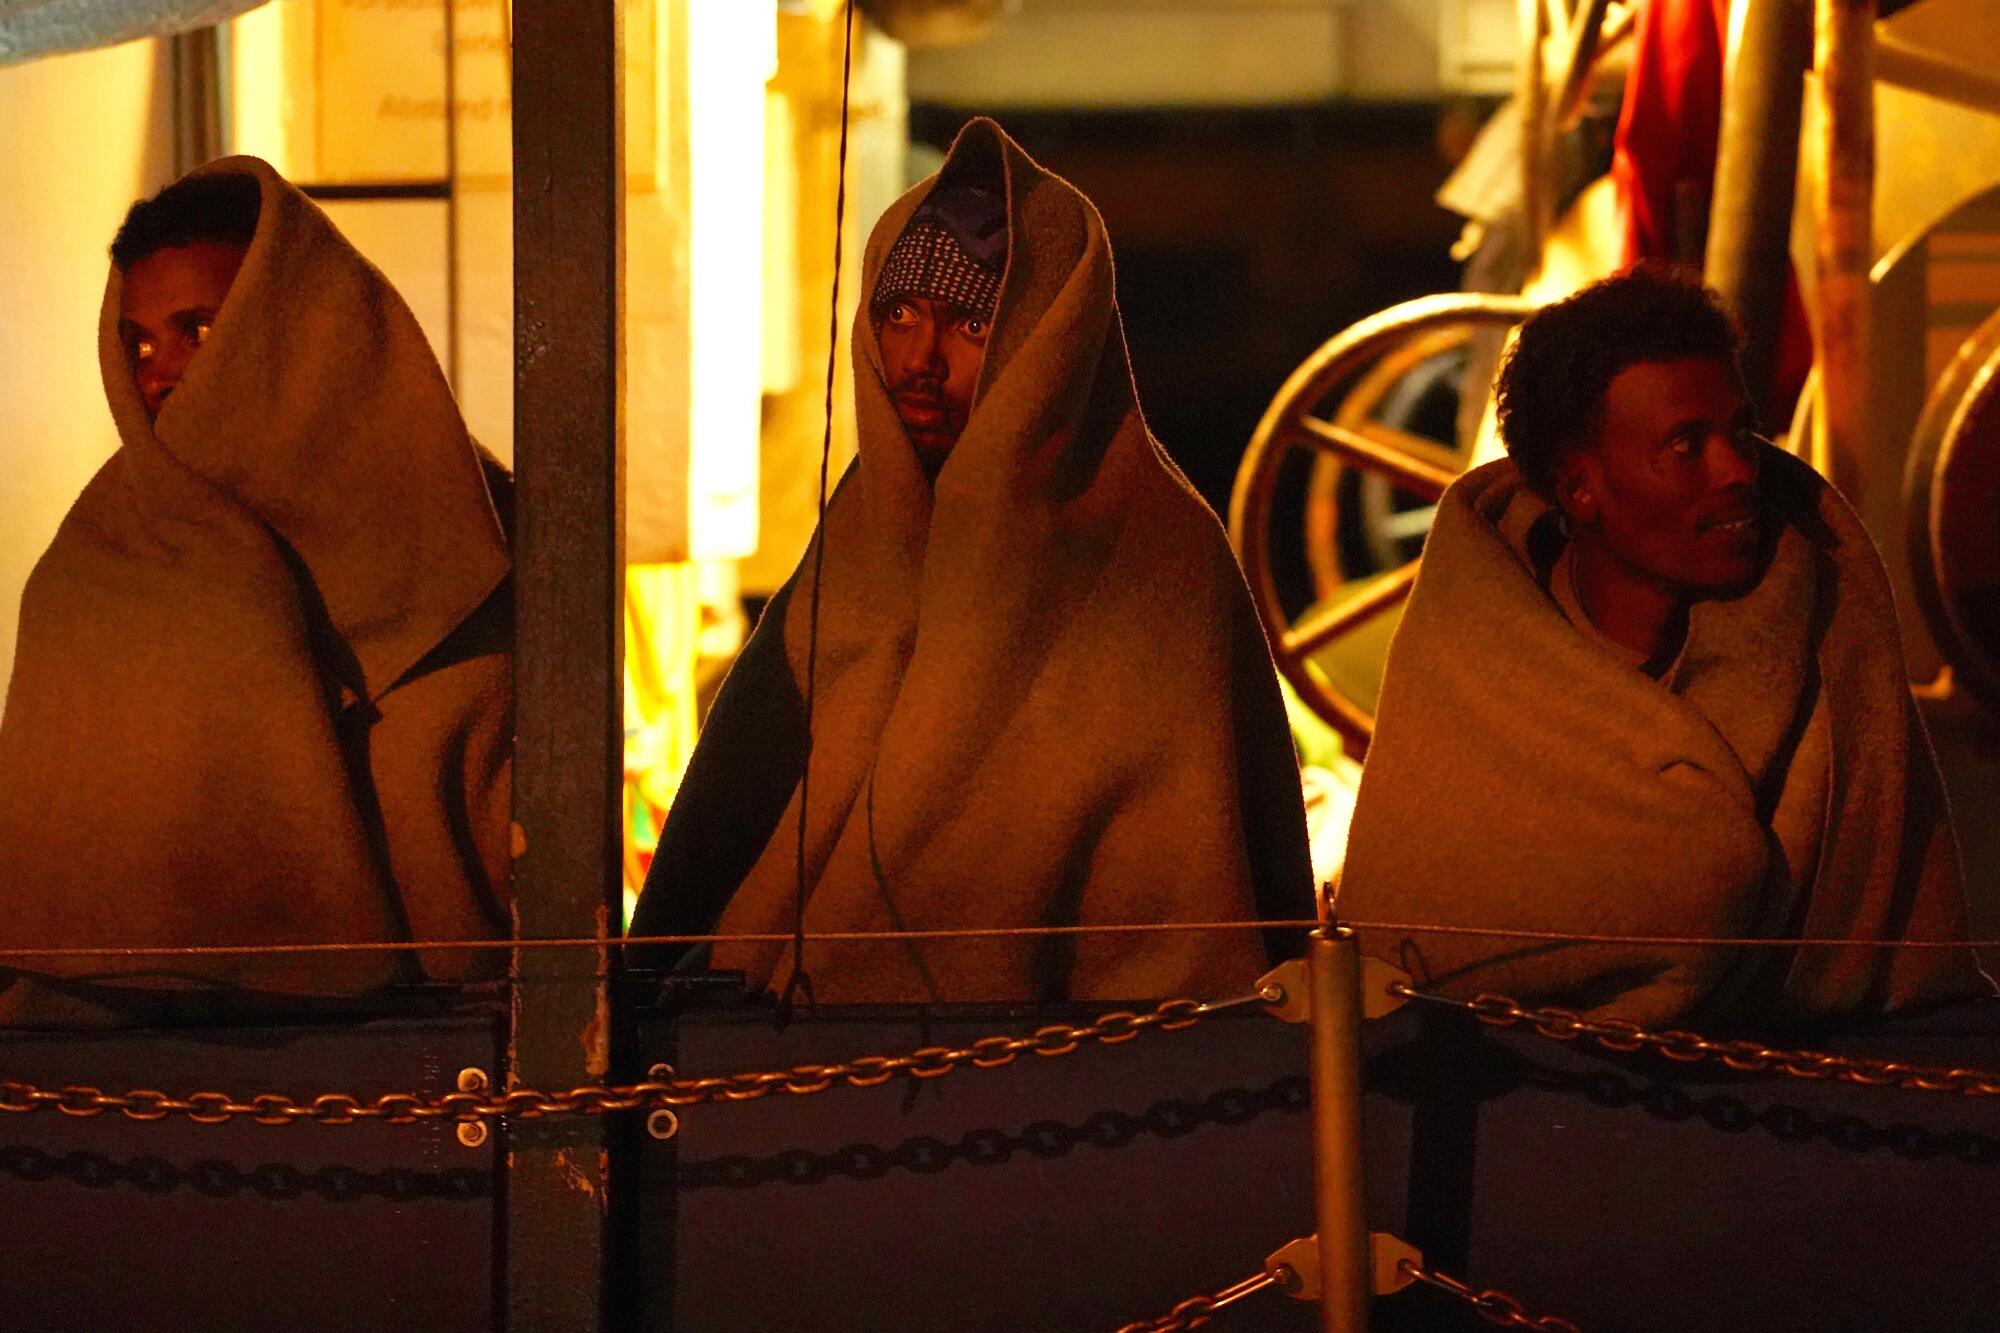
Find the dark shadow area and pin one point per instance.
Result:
(170, 1223)
(1244, 238)
(1621, 1192)
(1043, 1139)
(222, 1180)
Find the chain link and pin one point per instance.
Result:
(1495, 1307)
(1198, 1311)
(1618, 1034)
(403, 1108)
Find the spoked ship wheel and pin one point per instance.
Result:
(1329, 409)
(1953, 499)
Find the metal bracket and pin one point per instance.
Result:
(1387, 1255)
(473, 1133)
(1294, 1269)
(1290, 998)
(1293, 996)
(1378, 999)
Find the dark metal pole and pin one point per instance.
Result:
(568, 669)
(1756, 170)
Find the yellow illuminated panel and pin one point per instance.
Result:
(381, 90)
(662, 623)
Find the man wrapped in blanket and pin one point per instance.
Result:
(263, 692)
(1040, 694)
(1649, 682)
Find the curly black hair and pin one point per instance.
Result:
(222, 207)
(1550, 394)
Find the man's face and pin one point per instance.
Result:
(165, 309)
(1669, 484)
(931, 353)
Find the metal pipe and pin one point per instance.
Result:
(1537, 202)
(197, 97)
(453, 360)
(1926, 72)
(1748, 257)
(1555, 17)
(1580, 47)
(1844, 178)
(1333, 970)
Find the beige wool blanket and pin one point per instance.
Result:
(262, 692)
(1043, 697)
(1777, 784)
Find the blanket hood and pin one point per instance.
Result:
(1778, 784)
(354, 453)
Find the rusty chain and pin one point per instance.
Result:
(1198, 1311)
(402, 1108)
(1495, 1307)
(1619, 1034)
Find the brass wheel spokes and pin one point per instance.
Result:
(1326, 409)
(1367, 450)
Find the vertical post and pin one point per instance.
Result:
(568, 668)
(1579, 53)
(1333, 970)
(1757, 164)
(197, 81)
(454, 369)
(1844, 176)
(1537, 196)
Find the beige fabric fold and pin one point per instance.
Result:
(1043, 697)
(263, 692)
(1779, 783)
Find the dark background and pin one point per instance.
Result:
(1243, 240)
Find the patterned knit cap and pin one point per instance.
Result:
(953, 250)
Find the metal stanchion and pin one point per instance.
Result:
(1333, 970)
(1341, 1265)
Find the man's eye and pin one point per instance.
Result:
(974, 327)
(1682, 445)
(200, 332)
(900, 314)
(142, 349)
